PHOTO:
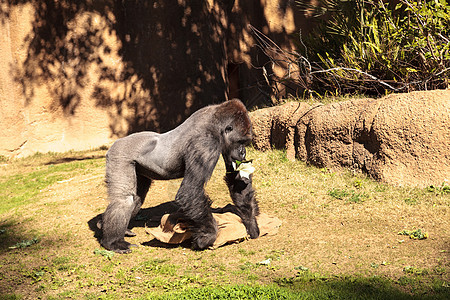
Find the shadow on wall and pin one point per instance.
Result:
(247, 80)
(149, 64)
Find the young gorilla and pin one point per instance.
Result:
(191, 150)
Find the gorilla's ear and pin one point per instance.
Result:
(228, 129)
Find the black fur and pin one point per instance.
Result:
(191, 151)
(243, 195)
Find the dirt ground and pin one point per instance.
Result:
(324, 234)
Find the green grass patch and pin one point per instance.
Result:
(21, 189)
(156, 266)
(338, 193)
(443, 189)
(305, 286)
(350, 196)
(308, 285)
(229, 292)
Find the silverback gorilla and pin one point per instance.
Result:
(191, 150)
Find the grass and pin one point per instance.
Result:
(41, 171)
(339, 238)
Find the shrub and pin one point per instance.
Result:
(372, 47)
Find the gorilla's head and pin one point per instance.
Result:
(235, 129)
(234, 145)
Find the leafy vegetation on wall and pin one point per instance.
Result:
(371, 47)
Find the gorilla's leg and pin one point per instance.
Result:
(201, 159)
(143, 185)
(204, 231)
(115, 222)
(122, 192)
(196, 207)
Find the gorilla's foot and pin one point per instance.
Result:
(121, 247)
(124, 251)
(201, 242)
(129, 233)
(204, 237)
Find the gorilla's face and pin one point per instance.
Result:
(238, 153)
(234, 144)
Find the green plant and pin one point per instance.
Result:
(414, 270)
(439, 190)
(414, 234)
(275, 255)
(25, 243)
(357, 197)
(36, 274)
(410, 201)
(105, 253)
(245, 252)
(338, 193)
(350, 196)
(371, 47)
(357, 183)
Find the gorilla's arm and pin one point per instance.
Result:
(201, 159)
(243, 196)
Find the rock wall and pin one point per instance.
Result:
(79, 74)
(403, 139)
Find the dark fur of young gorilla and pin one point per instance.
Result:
(191, 150)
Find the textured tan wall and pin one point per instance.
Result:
(79, 74)
(31, 115)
